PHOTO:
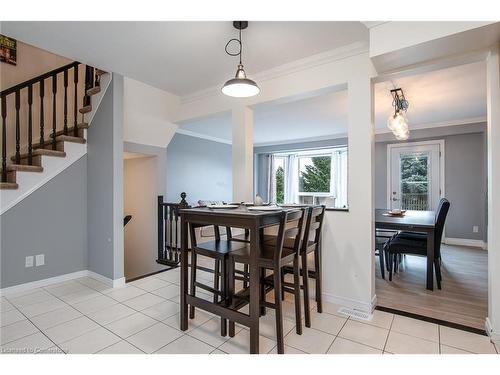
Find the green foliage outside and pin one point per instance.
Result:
(316, 177)
(280, 185)
(414, 175)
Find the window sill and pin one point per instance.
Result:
(336, 209)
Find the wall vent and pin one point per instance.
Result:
(355, 314)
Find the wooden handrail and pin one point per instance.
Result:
(41, 77)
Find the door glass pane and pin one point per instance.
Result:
(414, 182)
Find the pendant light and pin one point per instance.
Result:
(397, 122)
(240, 86)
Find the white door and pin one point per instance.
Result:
(415, 175)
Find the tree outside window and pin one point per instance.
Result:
(315, 174)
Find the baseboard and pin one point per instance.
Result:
(494, 336)
(466, 242)
(351, 303)
(57, 279)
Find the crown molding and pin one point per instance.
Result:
(203, 136)
(288, 68)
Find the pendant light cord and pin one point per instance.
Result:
(239, 53)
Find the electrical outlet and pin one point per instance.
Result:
(475, 229)
(28, 262)
(40, 260)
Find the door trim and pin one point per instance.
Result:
(392, 146)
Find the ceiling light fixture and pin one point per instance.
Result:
(397, 122)
(240, 86)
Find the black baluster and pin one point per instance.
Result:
(18, 128)
(30, 125)
(65, 120)
(4, 139)
(75, 109)
(160, 227)
(89, 82)
(54, 118)
(42, 118)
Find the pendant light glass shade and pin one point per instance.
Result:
(240, 86)
(398, 124)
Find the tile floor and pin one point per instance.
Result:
(86, 316)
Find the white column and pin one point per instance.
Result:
(493, 135)
(242, 119)
(348, 255)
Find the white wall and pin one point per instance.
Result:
(148, 114)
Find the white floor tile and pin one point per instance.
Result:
(50, 304)
(288, 350)
(364, 334)
(94, 304)
(170, 276)
(28, 297)
(111, 314)
(153, 338)
(168, 291)
(52, 350)
(124, 293)
(16, 331)
(162, 310)
(66, 287)
(200, 318)
(267, 326)
(5, 305)
(143, 302)
(131, 324)
(217, 351)
(55, 317)
(70, 330)
(416, 328)
(11, 316)
(240, 344)
(31, 344)
(331, 308)
(149, 283)
(186, 345)
(399, 343)
(344, 346)
(90, 342)
(445, 349)
(209, 332)
(328, 323)
(466, 341)
(81, 295)
(122, 347)
(311, 341)
(94, 284)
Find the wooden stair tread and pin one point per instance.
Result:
(42, 151)
(24, 168)
(85, 109)
(70, 138)
(8, 185)
(94, 90)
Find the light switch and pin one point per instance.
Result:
(29, 261)
(40, 260)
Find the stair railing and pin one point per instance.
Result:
(169, 241)
(12, 96)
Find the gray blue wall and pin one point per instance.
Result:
(51, 221)
(105, 182)
(199, 167)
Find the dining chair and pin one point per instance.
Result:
(311, 243)
(218, 250)
(274, 256)
(416, 243)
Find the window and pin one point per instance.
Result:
(310, 177)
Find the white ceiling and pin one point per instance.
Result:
(438, 98)
(184, 57)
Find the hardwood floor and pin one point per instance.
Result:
(463, 298)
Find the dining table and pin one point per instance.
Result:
(414, 221)
(243, 217)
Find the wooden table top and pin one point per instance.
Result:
(411, 219)
(237, 212)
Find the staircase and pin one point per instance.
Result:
(43, 119)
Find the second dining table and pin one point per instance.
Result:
(253, 220)
(415, 221)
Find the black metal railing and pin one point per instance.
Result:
(169, 241)
(13, 96)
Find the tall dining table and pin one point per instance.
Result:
(255, 222)
(414, 221)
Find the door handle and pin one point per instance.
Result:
(395, 199)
